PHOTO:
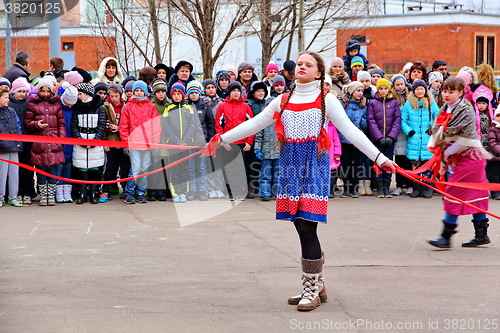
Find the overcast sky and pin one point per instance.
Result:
(488, 6)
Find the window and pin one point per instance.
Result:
(485, 49)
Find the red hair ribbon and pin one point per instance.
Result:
(324, 141)
(443, 119)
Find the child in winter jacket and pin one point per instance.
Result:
(384, 124)
(230, 114)
(355, 108)
(88, 122)
(205, 130)
(9, 124)
(494, 143)
(222, 83)
(435, 80)
(44, 116)
(139, 123)
(210, 97)
(19, 102)
(157, 182)
(179, 128)
(352, 48)
(279, 86)
(400, 93)
(116, 160)
(417, 115)
(68, 98)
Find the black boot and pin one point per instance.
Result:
(94, 197)
(481, 234)
(380, 188)
(162, 195)
(444, 241)
(387, 184)
(416, 190)
(83, 195)
(152, 195)
(427, 191)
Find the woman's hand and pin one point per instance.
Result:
(247, 147)
(226, 146)
(389, 166)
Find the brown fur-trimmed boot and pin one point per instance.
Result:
(310, 299)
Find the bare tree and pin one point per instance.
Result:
(277, 21)
(212, 23)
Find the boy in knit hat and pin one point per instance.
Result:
(222, 84)
(139, 123)
(357, 65)
(158, 185)
(205, 130)
(279, 86)
(230, 114)
(116, 159)
(128, 90)
(101, 89)
(179, 127)
(211, 98)
(376, 74)
(352, 49)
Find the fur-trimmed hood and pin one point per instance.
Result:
(426, 100)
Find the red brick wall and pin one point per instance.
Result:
(89, 51)
(395, 46)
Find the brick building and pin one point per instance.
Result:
(82, 43)
(460, 38)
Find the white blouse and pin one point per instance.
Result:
(308, 93)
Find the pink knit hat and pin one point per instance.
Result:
(270, 67)
(465, 76)
(20, 84)
(232, 69)
(337, 61)
(73, 78)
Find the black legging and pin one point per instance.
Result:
(311, 249)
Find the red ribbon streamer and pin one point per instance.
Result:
(77, 181)
(89, 142)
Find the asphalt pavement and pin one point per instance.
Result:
(219, 266)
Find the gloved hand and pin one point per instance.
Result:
(258, 154)
(389, 141)
(411, 133)
(382, 142)
(126, 152)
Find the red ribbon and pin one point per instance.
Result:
(78, 181)
(278, 127)
(324, 141)
(211, 148)
(443, 119)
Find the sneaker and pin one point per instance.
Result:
(397, 191)
(212, 194)
(15, 203)
(409, 190)
(26, 200)
(240, 198)
(176, 199)
(129, 199)
(182, 198)
(1, 203)
(190, 196)
(220, 195)
(266, 198)
(123, 196)
(354, 194)
(103, 198)
(142, 198)
(344, 195)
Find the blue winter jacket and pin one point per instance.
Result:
(417, 116)
(357, 115)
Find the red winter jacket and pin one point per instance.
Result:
(50, 112)
(140, 123)
(230, 114)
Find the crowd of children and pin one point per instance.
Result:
(168, 105)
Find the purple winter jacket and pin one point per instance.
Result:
(384, 118)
